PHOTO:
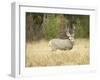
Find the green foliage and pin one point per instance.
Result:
(51, 26)
(82, 27)
(48, 26)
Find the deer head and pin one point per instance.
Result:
(71, 32)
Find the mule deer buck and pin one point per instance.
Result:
(63, 44)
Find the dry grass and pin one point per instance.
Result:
(39, 54)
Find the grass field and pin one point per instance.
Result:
(40, 54)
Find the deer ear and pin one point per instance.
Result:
(68, 34)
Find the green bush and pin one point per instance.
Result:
(51, 26)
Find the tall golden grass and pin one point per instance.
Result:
(39, 54)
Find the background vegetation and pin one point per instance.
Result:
(47, 26)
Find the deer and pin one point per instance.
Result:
(63, 44)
